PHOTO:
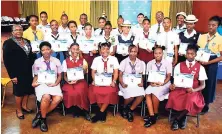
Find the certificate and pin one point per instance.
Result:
(183, 80)
(183, 48)
(104, 79)
(156, 76)
(132, 80)
(35, 45)
(74, 74)
(203, 55)
(59, 45)
(87, 46)
(122, 48)
(46, 77)
(147, 44)
(169, 57)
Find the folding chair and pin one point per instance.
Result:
(4, 83)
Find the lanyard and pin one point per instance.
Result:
(208, 40)
(158, 66)
(48, 65)
(56, 38)
(133, 68)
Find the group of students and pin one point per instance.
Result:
(120, 52)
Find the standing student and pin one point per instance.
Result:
(126, 39)
(83, 19)
(76, 92)
(72, 37)
(104, 95)
(44, 26)
(181, 26)
(138, 27)
(219, 29)
(63, 29)
(131, 65)
(158, 27)
(156, 92)
(100, 30)
(211, 42)
(170, 40)
(49, 95)
(187, 100)
(118, 30)
(189, 36)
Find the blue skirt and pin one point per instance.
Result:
(211, 82)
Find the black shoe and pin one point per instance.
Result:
(130, 116)
(27, 111)
(20, 117)
(150, 121)
(36, 120)
(97, 117)
(183, 122)
(75, 112)
(146, 118)
(103, 116)
(124, 112)
(175, 125)
(43, 125)
(205, 110)
(87, 115)
(156, 116)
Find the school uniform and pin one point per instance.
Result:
(72, 39)
(99, 32)
(41, 65)
(111, 39)
(126, 40)
(116, 32)
(178, 29)
(127, 67)
(136, 29)
(187, 38)
(75, 94)
(104, 94)
(160, 91)
(63, 30)
(81, 32)
(214, 45)
(156, 29)
(44, 28)
(179, 99)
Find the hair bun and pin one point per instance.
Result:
(163, 47)
(153, 48)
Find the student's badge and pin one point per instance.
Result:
(111, 65)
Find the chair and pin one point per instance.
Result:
(4, 83)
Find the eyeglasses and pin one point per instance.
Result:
(18, 30)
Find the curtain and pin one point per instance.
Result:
(96, 10)
(28, 8)
(72, 8)
(114, 13)
(180, 6)
(163, 6)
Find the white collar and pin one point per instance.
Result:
(43, 60)
(187, 35)
(106, 58)
(184, 26)
(136, 61)
(126, 37)
(187, 63)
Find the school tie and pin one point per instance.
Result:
(48, 65)
(133, 68)
(190, 65)
(158, 29)
(105, 65)
(74, 40)
(35, 36)
(101, 33)
(145, 35)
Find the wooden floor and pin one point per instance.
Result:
(210, 123)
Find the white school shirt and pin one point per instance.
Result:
(64, 64)
(202, 73)
(112, 40)
(98, 31)
(115, 32)
(62, 30)
(98, 64)
(45, 29)
(154, 29)
(81, 32)
(187, 35)
(125, 38)
(140, 36)
(81, 39)
(136, 29)
(61, 36)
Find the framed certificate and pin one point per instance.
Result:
(46, 77)
(132, 80)
(59, 45)
(35, 45)
(183, 48)
(203, 55)
(87, 46)
(169, 57)
(103, 79)
(75, 73)
(183, 80)
(156, 76)
(122, 48)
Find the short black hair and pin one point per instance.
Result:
(72, 21)
(53, 21)
(193, 47)
(157, 46)
(167, 18)
(64, 15)
(140, 14)
(106, 44)
(102, 18)
(120, 17)
(74, 44)
(83, 14)
(216, 18)
(33, 16)
(87, 24)
(43, 12)
(108, 23)
(146, 19)
(131, 47)
(45, 43)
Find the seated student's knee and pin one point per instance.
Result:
(46, 98)
(57, 99)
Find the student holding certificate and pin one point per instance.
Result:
(211, 42)
(187, 100)
(75, 91)
(104, 95)
(189, 36)
(158, 87)
(48, 94)
(123, 41)
(132, 88)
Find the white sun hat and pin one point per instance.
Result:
(126, 23)
(182, 13)
(191, 19)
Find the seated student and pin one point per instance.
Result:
(104, 95)
(131, 65)
(156, 92)
(187, 100)
(49, 95)
(76, 92)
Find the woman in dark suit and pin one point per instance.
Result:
(18, 60)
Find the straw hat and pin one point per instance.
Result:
(182, 13)
(191, 19)
(126, 23)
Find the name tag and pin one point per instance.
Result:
(183, 48)
(183, 80)
(87, 46)
(59, 45)
(103, 79)
(147, 44)
(74, 74)
(132, 80)
(156, 76)
(203, 55)
(46, 77)
(35, 45)
(122, 48)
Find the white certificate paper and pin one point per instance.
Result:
(183, 48)
(59, 45)
(122, 48)
(87, 46)
(183, 80)
(156, 76)
(147, 44)
(104, 79)
(74, 74)
(169, 57)
(35, 45)
(46, 77)
(132, 80)
(202, 55)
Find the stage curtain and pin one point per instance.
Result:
(9, 8)
(72, 8)
(114, 13)
(27, 8)
(163, 6)
(180, 6)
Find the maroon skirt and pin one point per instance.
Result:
(180, 100)
(76, 95)
(145, 56)
(88, 58)
(103, 94)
